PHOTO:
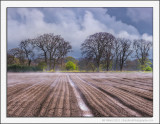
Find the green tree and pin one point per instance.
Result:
(142, 49)
(146, 66)
(72, 59)
(70, 65)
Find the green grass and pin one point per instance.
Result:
(84, 71)
(22, 68)
(147, 71)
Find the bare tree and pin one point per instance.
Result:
(17, 53)
(63, 49)
(53, 48)
(27, 47)
(142, 48)
(125, 51)
(10, 59)
(60, 51)
(108, 50)
(116, 53)
(41, 43)
(94, 46)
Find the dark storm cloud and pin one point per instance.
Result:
(73, 24)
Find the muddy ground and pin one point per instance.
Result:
(80, 94)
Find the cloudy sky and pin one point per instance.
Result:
(75, 24)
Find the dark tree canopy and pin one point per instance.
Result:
(124, 51)
(116, 54)
(94, 46)
(142, 48)
(27, 47)
(42, 42)
(17, 53)
(101, 51)
(50, 49)
(109, 51)
(53, 48)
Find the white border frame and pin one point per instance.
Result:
(154, 4)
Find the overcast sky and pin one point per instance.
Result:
(75, 24)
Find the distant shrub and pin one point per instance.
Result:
(148, 68)
(22, 68)
(70, 65)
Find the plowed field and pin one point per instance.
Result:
(80, 95)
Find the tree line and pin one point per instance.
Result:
(99, 49)
(49, 48)
(104, 48)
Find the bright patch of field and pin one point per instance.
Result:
(80, 94)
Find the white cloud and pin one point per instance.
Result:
(140, 14)
(125, 34)
(147, 37)
(74, 25)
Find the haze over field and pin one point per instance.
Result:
(80, 95)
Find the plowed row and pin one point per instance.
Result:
(79, 94)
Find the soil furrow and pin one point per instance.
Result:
(133, 85)
(80, 94)
(122, 101)
(139, 92)
(107, 106)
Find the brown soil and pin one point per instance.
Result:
(105, 94)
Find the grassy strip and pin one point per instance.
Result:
(22, 68)
(80, 71)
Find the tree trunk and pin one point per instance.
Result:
(98, 69)
(62, 62)
(50, 62)
(98, 63)
(108, 66)
(29, 62)
(54, 64)
(121, 68)
(45, 55)
(116, 64)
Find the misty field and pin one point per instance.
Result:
(80, 94)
